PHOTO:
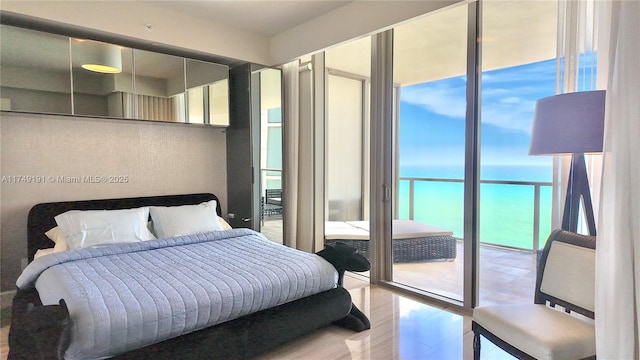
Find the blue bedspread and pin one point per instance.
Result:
(128, 296)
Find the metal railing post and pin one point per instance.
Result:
(411, 199)
(536, 217)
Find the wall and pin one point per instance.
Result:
(156, 158)
(169, 28)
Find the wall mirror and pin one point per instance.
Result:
(207, 86)
(34, 71)
(48, 73)
(97, 91)
(159, 87)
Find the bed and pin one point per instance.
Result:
(412, 241)
(189, 296)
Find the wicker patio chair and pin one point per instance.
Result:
(270, 203)
(412, 249)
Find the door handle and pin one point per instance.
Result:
(246, 219)
(386, 192)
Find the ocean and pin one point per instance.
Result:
(506, 210)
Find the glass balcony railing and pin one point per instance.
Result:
(515, 214)
(271, 178)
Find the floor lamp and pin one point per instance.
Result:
(571, 123)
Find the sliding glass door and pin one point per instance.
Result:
(519, 67)
(464, 203)
(429, 66)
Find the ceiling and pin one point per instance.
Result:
(428, 48)
(434, 46)
(264, 17)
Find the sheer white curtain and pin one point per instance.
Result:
(576, 71)
(290, 140)
(149, 107)
(299, 158)
(618, 249)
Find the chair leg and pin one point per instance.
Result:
(476, 346)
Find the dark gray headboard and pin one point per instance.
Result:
(41, 216)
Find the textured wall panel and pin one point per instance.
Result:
(70, 158)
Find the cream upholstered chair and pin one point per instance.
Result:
(559, 324)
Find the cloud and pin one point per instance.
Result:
(508, 95)
(527, 73)
(511, 100)
(439, 98)
(511, 113)
(489, 92)
(498, 107)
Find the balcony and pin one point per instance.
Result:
(514, 224)
(507, 269)
(507, 275)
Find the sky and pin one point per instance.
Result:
(432, 117)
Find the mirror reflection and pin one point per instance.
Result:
(159, 87)
(207, 91)
(219, 102)
(101, 74)
(271, 153)
(48, 73)
(34, 71)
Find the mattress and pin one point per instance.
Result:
(128, 296)
(402, 229)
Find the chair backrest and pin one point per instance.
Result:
(273, 196)
(566, 272)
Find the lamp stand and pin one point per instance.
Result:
(578, 188)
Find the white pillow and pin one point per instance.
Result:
(56, 235)
(170, 221)
(99, 227)
(225, 225)
(43, 252)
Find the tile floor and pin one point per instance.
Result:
(401, 328)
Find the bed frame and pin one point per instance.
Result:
(42, 332)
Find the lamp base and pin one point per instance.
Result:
(578, 188)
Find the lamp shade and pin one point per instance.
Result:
(568, 124)
(100, 57)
